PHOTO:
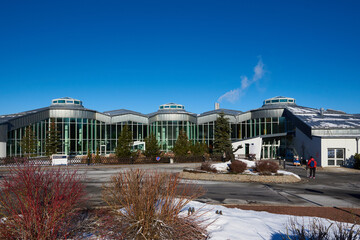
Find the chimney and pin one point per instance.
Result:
(217, 106)
(321, 111)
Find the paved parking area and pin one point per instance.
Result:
(338, 187)
(332, 187)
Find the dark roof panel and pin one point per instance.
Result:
(123, 112)
(171, 111)
(217, 111)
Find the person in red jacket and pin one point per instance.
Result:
(312, 165)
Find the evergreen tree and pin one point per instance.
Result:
(88, 153)
(182, 145)
(52, 140)
(97, 156)
(28, 142)
(152, 148)
(199, 149)
(222, 142)
(123, 148)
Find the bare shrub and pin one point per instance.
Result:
(345, 231)
(266, 166)
(315, 229)
(207, 166)
(38, 204)
(237, 166)
(146, 205)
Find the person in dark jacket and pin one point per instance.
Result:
(312, 166)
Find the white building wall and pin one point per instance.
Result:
(349, 144)
(254, 147)
(307, 147)
(2, 149)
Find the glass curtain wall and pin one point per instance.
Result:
(167, 132)
(77, 135)
(246, 129)
(15, 136)
(262, 127)
(206, 133)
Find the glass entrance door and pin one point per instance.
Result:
(102, 149)
(336, 156)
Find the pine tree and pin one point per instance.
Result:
(199, 149)
(152, 148)
(52, 140)
(28, 142)
(123, 148)
(222, 142)
(182, 145)
(97, 156)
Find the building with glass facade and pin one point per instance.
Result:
(279, 122)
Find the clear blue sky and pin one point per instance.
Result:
(140, 54)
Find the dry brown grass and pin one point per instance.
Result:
(147, 205)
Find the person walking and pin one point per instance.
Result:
(312, 166)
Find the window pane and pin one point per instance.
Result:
(339, 153)
(339, 162)
(331, 162)
(331, 153)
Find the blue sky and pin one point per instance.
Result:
(140, 54)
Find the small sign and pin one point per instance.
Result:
(59, 159)
(157, 158)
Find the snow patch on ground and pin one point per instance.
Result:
(288, 173)
(245, 224)
(223, 167)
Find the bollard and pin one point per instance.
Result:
(284, 163)
(88, 161)
(171, 161)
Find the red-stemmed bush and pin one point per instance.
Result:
(38, 203)
(237, 166)
(266, 166)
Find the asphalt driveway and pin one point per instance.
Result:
(332, 187)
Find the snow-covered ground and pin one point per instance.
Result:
(223, 167)
(236, 224)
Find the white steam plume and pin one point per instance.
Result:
(233, 95)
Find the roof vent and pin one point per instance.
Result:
(217, 106)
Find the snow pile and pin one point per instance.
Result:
(250, 164)
(223, 167)
(288, 173)
(244, 224)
